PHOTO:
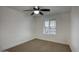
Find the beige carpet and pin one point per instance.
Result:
(37, 45)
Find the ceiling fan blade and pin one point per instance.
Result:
(41, 13)
(29, 10)
(44, 9)
(32, 13)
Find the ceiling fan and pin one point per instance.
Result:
(36, 10)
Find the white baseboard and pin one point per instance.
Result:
(4, 50)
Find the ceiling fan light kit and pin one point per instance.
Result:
(36, 12)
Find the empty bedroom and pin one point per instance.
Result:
(39, 28)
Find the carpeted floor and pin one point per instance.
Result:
(37, 45)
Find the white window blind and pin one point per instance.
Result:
(49, 27)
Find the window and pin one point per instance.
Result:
(49, 27)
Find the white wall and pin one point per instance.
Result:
(15, 28)
(75, 29)
(63, 28)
